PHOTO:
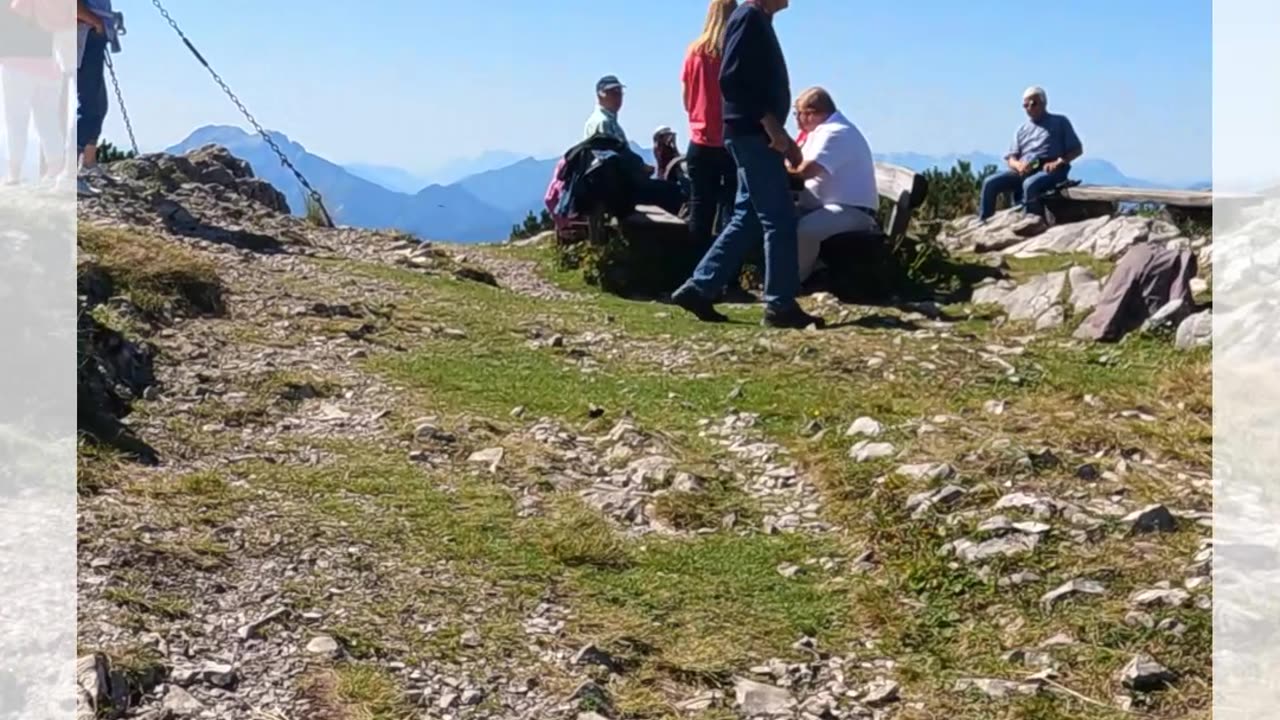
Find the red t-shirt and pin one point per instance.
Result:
(702, 99)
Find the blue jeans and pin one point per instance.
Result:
(91, 91)
(1026, 191)
(763, 206)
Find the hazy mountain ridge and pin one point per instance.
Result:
(436, 212)
(521, 186)
(483, 205)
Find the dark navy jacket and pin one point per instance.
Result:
(753, 73)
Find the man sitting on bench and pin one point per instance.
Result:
(603, 121)
(838, 173)
(1039, 159)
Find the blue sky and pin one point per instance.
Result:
(416, 83)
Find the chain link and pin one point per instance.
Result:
(124, 112)
(315, 196)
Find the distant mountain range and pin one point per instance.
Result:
(401, 180)
(490, 193)
(437, 212)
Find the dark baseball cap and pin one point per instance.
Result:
(608, 82)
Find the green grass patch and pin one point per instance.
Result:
(367, 693)
(159, 276)
(710, 604)
(1023, 269)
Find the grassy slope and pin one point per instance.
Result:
(687, 613)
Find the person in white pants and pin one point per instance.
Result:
(839, 176)
(32, 89)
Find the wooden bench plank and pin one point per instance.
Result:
(892, 181)
(1176, 198)
(651, 215)
(906, 189)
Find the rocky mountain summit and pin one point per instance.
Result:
(340, 473)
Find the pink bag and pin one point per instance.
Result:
(552, 198)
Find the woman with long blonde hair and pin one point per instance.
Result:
(712, 172)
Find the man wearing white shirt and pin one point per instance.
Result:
(839, 177)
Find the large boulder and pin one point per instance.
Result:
(111, 372)
(1195, 331)
(206, 165)
(1060, 238)
(1038, 299)
(1086, 288)
(1011, 233)
(1004, 229)
(992, 292)
(1032, 299)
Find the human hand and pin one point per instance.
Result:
(780, 142)
(1053, 165)
(95, 22)
(1018, 166)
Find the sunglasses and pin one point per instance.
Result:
(1030, 103)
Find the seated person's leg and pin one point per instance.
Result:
(818, 225)
(1003, 182)
(1035, 186)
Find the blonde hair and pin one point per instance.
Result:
(711, 41)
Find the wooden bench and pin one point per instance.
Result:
(1198, 199)
(904, 188)
(1077, 202)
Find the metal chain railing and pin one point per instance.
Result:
(315, 196)
(124, 112)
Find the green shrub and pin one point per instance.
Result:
(533, 226)
(953, 193)
(109, 153)
(314, 213)
(639, 263)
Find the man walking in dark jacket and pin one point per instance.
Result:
(757, 98)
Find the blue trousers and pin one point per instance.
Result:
(91, 91)
(1026, 191)
(763, 206)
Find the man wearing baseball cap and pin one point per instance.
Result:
(604, 119)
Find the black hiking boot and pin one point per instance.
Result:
(792, 318)
(695, 302)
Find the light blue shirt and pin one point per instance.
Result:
(603, 122)
(1049, 138)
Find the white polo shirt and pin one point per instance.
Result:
(848, 174)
